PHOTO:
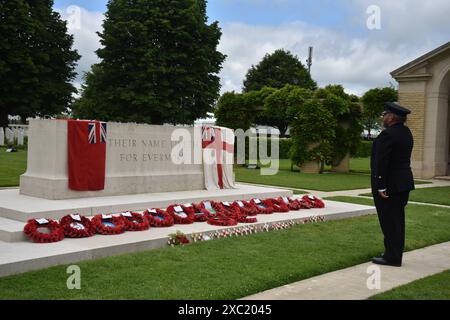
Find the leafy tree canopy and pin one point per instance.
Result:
(159, 63)
(37, 61)
(276, 70)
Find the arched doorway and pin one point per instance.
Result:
(424, 87)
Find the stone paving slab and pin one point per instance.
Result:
(351, 283)
(22, 256)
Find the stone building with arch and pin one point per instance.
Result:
(424, 87)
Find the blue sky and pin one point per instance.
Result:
(271, 12)
(345, 50)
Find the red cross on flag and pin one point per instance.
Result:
(218, 150)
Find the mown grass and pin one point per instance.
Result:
(436, 195)
(12, 165)
(435, 287)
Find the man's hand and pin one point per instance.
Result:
(383, 194)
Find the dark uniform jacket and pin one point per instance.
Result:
(390, 161)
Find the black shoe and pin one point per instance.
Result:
(384, 262)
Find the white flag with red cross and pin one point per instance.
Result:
(218, 152)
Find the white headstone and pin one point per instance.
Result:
(20, 136)
(9, 135)
(2, 137)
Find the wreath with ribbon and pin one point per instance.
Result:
(313, 201)
(243, 218)
(76, 226)
(33, 230)
(291, 203)
(108, 225)
(200, 213)
(229, 210)
(277, 205)
(134, 221)
(245, 207)
(213, 208)
(185, 216)
(262, 206)
(304, 204)
(221, 220)
(158, 218)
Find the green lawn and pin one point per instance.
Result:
(436, 195)
(357, 178)
(233, 267)
(12, 165)
(436, 287)
(328, 181)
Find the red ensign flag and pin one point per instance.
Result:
(87, 154)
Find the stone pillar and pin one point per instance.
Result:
(412, 95)
(343, 166)
(310, 167)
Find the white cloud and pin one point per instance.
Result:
(357, 58)
(84, 24)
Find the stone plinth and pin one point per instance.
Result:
(138, 160)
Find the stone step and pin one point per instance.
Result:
(11, 230)
(446, 178)
(16, 206)
(22, 256)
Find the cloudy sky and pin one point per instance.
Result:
(346, 50)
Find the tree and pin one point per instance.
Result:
(276, 70)
(347, 113)
(233, 112)
(242, 110)
(373, 105)
(37, 61)
(277, 104)
(159, 63)
(312, 132)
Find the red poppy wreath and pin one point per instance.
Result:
(277, 205)
(200, 213)
(313, 201)
(291, 203)
(134, 221)
(108, 224)
(158, 218)
(245, 207)
(181, 214)
(76, 226)
(43, 231)
(262, 206)
(222, 221)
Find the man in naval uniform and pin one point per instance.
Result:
(392, 180)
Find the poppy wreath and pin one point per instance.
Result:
(246, 209)
(304, 204)
(32, 227)
(313, 201)
(291, 203)
(183, 217)
(229, 210)
(101, 228)
(74, 228)
(214, 208)
(277, 205)
(221, 220)
(200, 213)
(243, 218)
(263, 206)
(158, 218)
(136, 222)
